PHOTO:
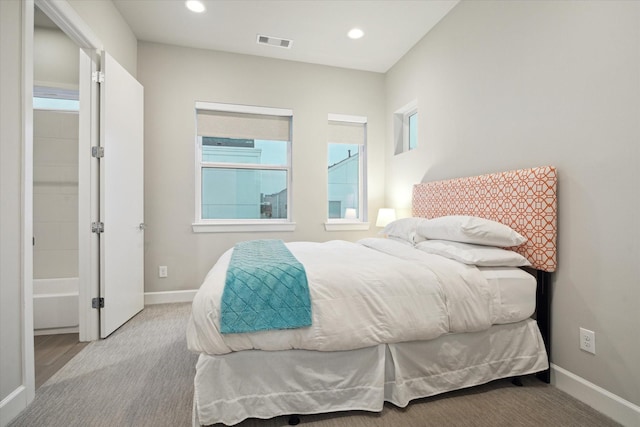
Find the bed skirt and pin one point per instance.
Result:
(261, 384)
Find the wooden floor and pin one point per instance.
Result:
(52, 352)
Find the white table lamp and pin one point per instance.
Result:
(385, 216)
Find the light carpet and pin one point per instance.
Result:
(142, 375)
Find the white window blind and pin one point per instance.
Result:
(239, 126)
(346, 132)
(346, 129)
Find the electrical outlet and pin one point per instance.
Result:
(162, 271)
(587, 340)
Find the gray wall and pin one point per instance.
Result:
(506, 85)
(11, 256)
(175, 78)
(108, 25)
(55, 59)
(55, 160)
(55, 194)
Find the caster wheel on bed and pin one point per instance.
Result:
(294, 420)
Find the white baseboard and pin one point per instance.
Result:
(12, 405)
(611, 405)
(168, 297)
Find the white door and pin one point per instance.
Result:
(121, 196)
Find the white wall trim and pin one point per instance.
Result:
(88, 195)
(28, 358)
(68, 20)
(12, 405)
(611, 405)
(336, 225)
(346, 118)
(240, 226)
(168, 297)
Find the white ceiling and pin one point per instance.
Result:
(318, 28)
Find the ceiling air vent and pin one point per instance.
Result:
(274, 41)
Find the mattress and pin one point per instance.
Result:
(361, 296)
(261, 384)
(375, 292)
(513, 291)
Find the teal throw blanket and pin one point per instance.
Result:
(265, 288)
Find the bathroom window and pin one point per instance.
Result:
(53, 98)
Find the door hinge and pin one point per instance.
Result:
(97, 152)
(97, 303)
(97, 227)
(97, 77)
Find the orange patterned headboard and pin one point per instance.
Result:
(524, 199)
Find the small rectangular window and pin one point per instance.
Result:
(244, 163)
(405, 128)
(54, 98)
(346, 168)
(413, 131)
(56, 104)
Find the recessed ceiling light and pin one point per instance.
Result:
(195, 6)
(355, 33)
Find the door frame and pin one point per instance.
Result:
(28, 361)
(68, 20)
(78, 31)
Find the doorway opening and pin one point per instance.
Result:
(108, 117)
(55, 197)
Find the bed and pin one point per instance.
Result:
(430, 324)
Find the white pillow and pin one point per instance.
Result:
(404, 229)
(480, 255)
(470, 229)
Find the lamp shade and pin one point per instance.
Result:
(385, 216)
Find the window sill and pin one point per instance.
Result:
(241, 226)
(346, 226)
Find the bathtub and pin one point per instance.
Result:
(55, 306)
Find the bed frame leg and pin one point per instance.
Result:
(543, 316)
(294, 420)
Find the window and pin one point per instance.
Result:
(412, 135)
(346, 172)
(405, 128)
(53, 98)
(243, 173)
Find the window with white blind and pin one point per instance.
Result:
(346, 172)
(243, 168)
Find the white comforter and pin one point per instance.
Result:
(366, 293)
